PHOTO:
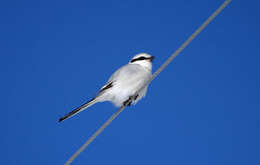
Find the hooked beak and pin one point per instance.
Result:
(152, 58)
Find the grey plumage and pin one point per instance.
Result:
(123, 84)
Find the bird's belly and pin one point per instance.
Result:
(122, 92)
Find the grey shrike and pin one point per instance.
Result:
(123, 85)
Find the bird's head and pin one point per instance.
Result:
(143, 59)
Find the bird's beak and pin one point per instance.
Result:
(152, 58)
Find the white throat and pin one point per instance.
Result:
(146, 64)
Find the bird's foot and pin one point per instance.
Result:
(129, 101)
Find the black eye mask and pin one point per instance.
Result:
(139, 59)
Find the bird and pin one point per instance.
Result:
(125, 87)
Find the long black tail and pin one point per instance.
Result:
(79, 109)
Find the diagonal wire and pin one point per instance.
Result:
(169, 60)
(95, 135)
(186, 43)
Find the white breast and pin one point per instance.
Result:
(126, 82)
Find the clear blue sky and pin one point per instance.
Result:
(203, 109)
